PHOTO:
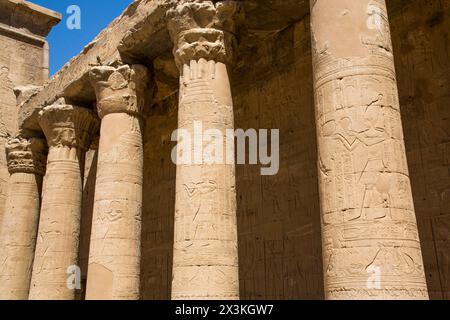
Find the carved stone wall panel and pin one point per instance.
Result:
(21, 63)
(158, 205)
(420, 35)
(278, 221)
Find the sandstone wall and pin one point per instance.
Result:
(278, 221)
(21, 63)
(279, 228)
(421, 33)
(278, 216)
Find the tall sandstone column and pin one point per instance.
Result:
(370, 240)
(26, 164)
(205, 261)
(69, 130)
(115, 247)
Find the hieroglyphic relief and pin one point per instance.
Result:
(368, 219)
(205, 261)
(115, 246)
(421, 53)
(26, 163)
(69, 131)
(273, 89)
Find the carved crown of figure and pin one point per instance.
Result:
(120, 89)
(67, 125)
(204, 29)
(26, 155)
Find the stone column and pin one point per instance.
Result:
(26, 164)
(371, 247)
(115, 247)
(69, 130)
(205, 260)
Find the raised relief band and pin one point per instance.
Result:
(203, 29)
(371, 247)
(26, 155)
(205, 258)
(69, 130)
(120, 89)
(26, 164)
(115, 246)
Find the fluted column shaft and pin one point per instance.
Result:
(205, 258)
(371, 245)
(115, 247)
(26, 164)
(69, 131)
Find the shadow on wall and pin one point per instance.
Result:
(278, 216)
(420, 34)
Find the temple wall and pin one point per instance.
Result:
(280, 255)
(278, 221)
(21, 63)
(278, 216)
(421, 32)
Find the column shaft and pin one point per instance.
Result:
(68, 130)
(114, 257)
(20, 221)
(371, 245)
(115, 247)
(205, 258)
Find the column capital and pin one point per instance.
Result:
(203, 29)
(120, 89)
(67, 125)
(26, 155)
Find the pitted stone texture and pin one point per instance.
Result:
(115, 246)
(205, 258)
(371, 245)
(203, 30)
(26, 155)
(68, 126)
(26, 162)
(23, 93)
(69, 131)
(120, 89)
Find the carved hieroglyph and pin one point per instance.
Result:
(205, 261)
(371, 246)
(69, 130)
(26, 163)
(115, 247)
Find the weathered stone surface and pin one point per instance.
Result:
(205, 258)
(143, 21)
(115, 245)
(30, 18)
(271, 79)
(26, 163)
(23, 62)
(69, 131)
(370, 239)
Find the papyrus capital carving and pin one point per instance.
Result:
(67, 125)
(26, 155)
(203, 29)
(120, 89)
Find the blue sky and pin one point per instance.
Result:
(95, 16)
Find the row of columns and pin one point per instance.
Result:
(371, 248)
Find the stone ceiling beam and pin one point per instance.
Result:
(142, 17)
